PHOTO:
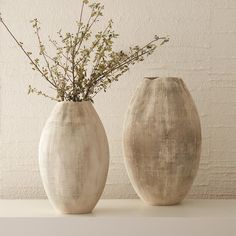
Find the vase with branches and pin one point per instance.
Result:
(73, 148)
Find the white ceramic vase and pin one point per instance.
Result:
(162, 141)
(73, 157)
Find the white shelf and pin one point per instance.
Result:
(120, 217)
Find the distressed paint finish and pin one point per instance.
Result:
(162, 141)
(74, 157)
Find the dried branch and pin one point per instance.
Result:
(85, 62)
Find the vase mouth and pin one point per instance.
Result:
(162, 78)
(74, 102)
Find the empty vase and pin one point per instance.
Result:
(162, 141)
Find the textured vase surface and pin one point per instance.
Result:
(73, 157)
(162, 141)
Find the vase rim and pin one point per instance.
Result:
(72, 102)
(162, 77)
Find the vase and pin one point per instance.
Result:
(162, 141)
(73, 157)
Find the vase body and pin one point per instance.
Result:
(162, 141)
(73, 157)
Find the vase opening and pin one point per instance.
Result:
(170, 78)
(151, 78)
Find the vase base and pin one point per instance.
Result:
(74, 212)
(162, 203)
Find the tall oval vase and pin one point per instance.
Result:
(162, 141)
(73, 157)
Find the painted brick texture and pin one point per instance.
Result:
(202, 51)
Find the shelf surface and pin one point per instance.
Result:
(123, 208)
(120, 218)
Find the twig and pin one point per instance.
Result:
(31, 60)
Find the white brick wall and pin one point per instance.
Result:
(202, 51)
